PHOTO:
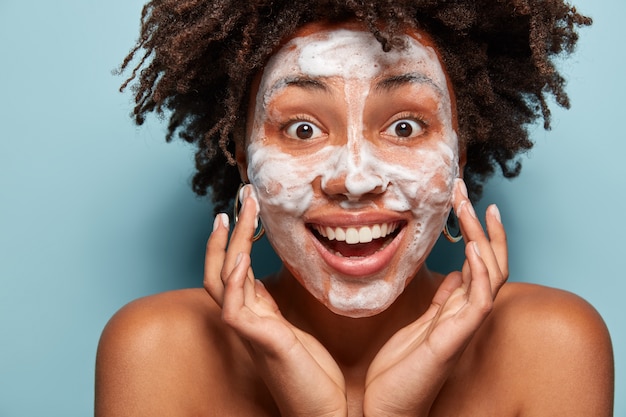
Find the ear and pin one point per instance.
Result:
(242, 161)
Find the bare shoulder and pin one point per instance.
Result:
(189, 306)
(159, 323)
(534, 308)
(145, 347)
(169, 354)
(559, 349)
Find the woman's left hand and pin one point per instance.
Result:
(407, 374)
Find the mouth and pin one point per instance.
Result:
(357, 241)
(358, 250)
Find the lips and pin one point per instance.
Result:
(357, 250)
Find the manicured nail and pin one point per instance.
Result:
(468, 206)
(475, 247)
(225, 220)
(220, 218)
(243, 205)
(244, 193)
(470, 210)
(462, 187)
(460, 208)
(250, 197)
(238, 259)
(496, 212)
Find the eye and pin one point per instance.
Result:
(303, 130)
(405, 128)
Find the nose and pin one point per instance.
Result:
(355, 177)
(353, 189)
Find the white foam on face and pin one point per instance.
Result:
(416, 179)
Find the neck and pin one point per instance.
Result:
(353, 342)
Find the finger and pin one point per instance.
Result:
(233, 312)
(497, 236)
(249, 288)
(450, 283)
(470, 226)
(480, 295)
(214, 258)
(263, 300)
(242, 312)
(263, 293)
(473, 231)
(243, 232)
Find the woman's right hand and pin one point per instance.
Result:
(302, 376)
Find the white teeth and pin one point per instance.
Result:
(354, 235)
(365, 235)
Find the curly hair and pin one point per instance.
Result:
(197, 59)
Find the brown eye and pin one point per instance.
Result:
(303, 131)
(405, 128)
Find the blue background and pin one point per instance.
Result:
(95, 212)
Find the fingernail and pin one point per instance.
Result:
(225, 220)
(462, 187)
(221, 218)
(470, 210)
(256, 206)
(460, 208)
(240, 195)
(238, 259)
(244, 193)
(496, 212)
(475, 247)
(468, 206)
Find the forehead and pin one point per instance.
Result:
(350, 52)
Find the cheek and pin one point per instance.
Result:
(423, 179)
(284, 183)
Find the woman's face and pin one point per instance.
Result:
(352, 154)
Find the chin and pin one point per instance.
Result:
(363, 299)
(356, 312)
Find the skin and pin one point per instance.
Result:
(444, 346)
(356, 176)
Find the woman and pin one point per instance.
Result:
(356, 126)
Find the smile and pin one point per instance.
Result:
(354, 235)
(358, 250)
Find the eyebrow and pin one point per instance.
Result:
(397, 81)
(304, 82)
(307, 83)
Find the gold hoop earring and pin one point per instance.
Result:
(452, 221)
(261, 230)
